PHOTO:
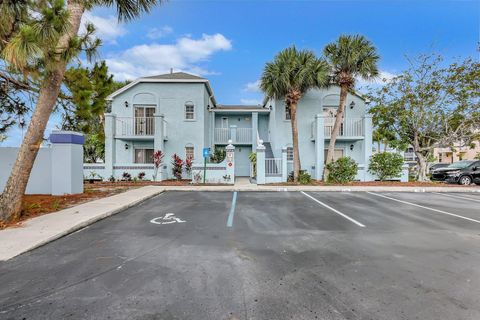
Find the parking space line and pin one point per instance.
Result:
(457, 197)
(423, 207)
(334, 210)
(232, 210)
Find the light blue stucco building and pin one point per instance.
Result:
(178, 113)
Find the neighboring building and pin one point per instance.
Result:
(449, 155)
(178, 113)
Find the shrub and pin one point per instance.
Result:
(126, 176)
(218, 155)
(477, 157)
(177, 166)
(157, 162)
(253, 159)
(112, 178)
(342, 170)
(386, 165)
(141, 175)
(304, 177)
(188, 164)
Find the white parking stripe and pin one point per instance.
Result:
(423, 207)
(334, 210)
(457, 197)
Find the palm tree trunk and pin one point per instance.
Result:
(296, 154)
(336, 129)
(11, 198)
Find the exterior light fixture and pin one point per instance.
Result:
(351, 147)
(126, 104)
(126, 146)
(352, 104)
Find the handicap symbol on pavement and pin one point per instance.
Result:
(167, 219)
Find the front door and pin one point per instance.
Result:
(242, 163)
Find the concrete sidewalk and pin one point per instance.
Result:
(44, 229)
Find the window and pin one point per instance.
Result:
(289, 153)
(288, 116)
(144, 122)
(143, 156)
(189, 152)
(189, 110)
(337, 154)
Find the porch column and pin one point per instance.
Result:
(260, 163)
(230, 156)
(254, 130)
(110, 121)
(284, 165)
(367, 143)
(158, 138)
(319, 146)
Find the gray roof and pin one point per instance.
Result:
(241, 107)
(176, 76)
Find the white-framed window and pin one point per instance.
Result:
(289, 153)
(288, 116)
(189, 151)
(143, 156)
(337, 154)
(189, 110)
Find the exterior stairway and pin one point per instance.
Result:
(268, 151)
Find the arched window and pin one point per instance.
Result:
(189, 110)
(189, 151)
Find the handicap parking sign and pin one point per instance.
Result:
(206, 152)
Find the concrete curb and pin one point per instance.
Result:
(41, 230)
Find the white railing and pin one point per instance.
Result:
(244, 135)
(351, 127)
(409, 156)
(273, 166)
(136, 126)
(222, 135)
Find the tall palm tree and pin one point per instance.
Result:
(290, 75)
(351, 56)
(48, 39)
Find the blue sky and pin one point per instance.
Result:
(229, 42)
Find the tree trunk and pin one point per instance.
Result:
(296, 154)
(11, 198)
(336, 129)
(422, 167)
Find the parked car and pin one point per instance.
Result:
(461, 172)
(436, 166)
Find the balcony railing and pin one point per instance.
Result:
(237, 135)
(136, 126)
(350, 127)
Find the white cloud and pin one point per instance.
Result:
(252, 86)
(157, 33)
(184, 55)
(383, 77)
(251, 101)
(108, 29)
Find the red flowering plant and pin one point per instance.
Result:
(188, 164)
(177, 166)
(157, 162)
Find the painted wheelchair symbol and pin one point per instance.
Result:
(167, 219)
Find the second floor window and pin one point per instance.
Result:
(143, 155)
(189, 110)
(288, 116)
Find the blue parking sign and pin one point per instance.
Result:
(206, 152)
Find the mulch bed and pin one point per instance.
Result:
(98, 184)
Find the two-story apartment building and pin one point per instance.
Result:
(178, 113)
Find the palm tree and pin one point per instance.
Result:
(45, 43)
(291, 74)
(350, 57)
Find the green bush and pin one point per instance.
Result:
(386, 165)
(253, 159)
(218, 155)
(304, 177)
(342, 170)
(477, 157)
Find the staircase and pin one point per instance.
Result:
(268, 150)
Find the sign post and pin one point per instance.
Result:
(206, 154)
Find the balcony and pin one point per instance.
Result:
(138, 127)
(237, 135)
(351, 128)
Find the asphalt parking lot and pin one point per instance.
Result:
(260, 255)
